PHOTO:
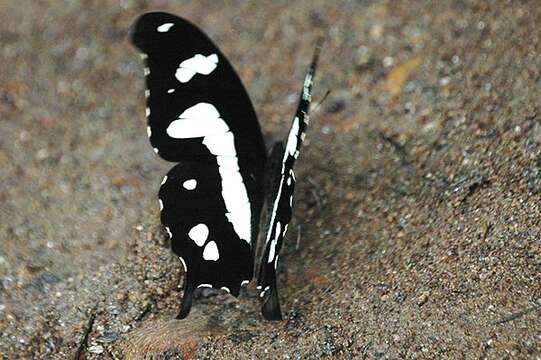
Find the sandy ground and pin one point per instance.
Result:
(417, 225)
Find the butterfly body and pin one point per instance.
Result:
(200, 117)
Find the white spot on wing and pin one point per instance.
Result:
(189, 184)
(198, 64)
(146, 71)
(278, 230)
(169, 232)
(161, 204)
(164, 27)
(210, 253)
(183, 263)
(147, 112)
(147, 93)
(226, 289)
(170, 91)
(264, 291)
(291, 146)
(274, 241)
(306, 87)
(155, 150)
(204, 285)
(197, 121)
(149, 131)
(199, 234)
(272, 251)
(244, 282)
(164, 179)
(203, 120)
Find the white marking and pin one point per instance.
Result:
(292, 138)
(161, 204)
(198, 64)
(274, 242)
(276, 262)
(147, 93)
(205, 285)
(291, 149)
(264, 291)
(291, 201)
(183, 263)
(210, 253)
(258, 287)
(271, 251)
(149, 131)
(147, 112)
(199, 234)
(189, 184)
(146, 71)
(164, 179)
(226, 289)
(306, 87)
(203, 120)
(143, 56)
(169, 232)
(170, 91)
(197, 121)
(244, 282)
(303, 136)
(155, 150)
(164, 27)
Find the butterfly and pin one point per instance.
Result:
(201, 118)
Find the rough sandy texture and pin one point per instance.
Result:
(417, 225)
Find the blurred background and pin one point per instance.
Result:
(417, 221)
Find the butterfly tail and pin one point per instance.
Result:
(187, 298)
(271, 306)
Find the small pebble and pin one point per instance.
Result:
(96, 349)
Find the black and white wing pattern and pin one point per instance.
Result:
(282, 200)
(200, 116)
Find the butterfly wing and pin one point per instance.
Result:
(282, 201)
(209, 246)
(200, 116)
(182, 68)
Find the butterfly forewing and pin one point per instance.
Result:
(282, 201)
(183, 67)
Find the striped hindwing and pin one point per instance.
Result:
(282, 201)
(199, 115)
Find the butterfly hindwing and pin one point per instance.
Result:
(200, 116)
(194, 214)
(282, 201)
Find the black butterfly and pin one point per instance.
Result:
(200, 116)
